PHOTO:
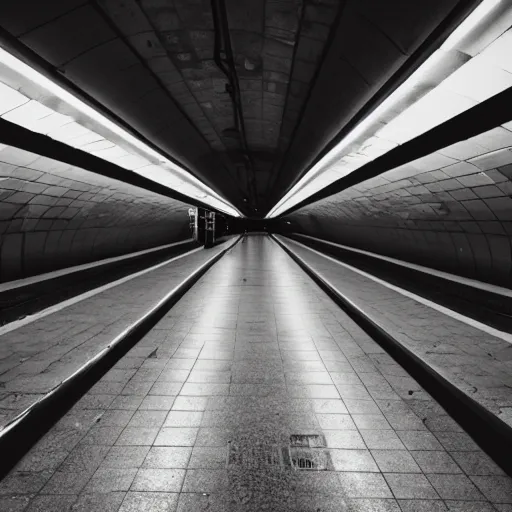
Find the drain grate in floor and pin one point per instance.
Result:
(306, 452)
(307, 458)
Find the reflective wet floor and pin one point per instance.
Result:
(256, 392)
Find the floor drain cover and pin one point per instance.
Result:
(304, 458)
(306, 452)
(303, 452)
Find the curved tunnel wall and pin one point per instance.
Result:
(450, 210)
(55, 215)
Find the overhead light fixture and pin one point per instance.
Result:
(31, 100)
(469, 24)
(425, 100)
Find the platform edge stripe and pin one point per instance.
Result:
(30, 415)
(16, 324)
(499, 290)
(28, 281)
(456, 396)
(505, 336)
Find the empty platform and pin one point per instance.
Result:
(256, 392)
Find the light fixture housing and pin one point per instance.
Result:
(30, 99)
(473, 64)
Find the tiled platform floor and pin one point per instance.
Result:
(37, 357)
(477, 363)
(198, 416)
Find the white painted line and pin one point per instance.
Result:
(505, 336)
(506, 292)
(118, 339)
(69, 270)
(64, 304)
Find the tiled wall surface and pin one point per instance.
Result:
(451, 210)
(53, 215)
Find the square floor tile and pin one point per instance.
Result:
(395, 461)
(98, 502)
(329, 406)
(137, 436)
(107, 480)
(366, 505)
(84, 458)
(473, 506)
(457, 441)
(170, 436)
(125, 457)
(149, 502)
(208, 457)
(213, 436)
(158, 480)
(335, 421)
(422, 506)
(147, 418)
(206, 480)
(436, 462)
(356, 406)
(349, 439)
(353, 460)
(418, 440)
(168, 457)
(190, 403)
(50, 503)
(402, 421)
(371, 422)
(180, 364)
(173, 375)
(183, 419)
(127, 402)
(135, 387)
(67, 482)
(102, 435)
(454, 487)
(382, 440)
(193, 389)
(308, 378)
(201, 376)
(116, 418)
(353, 391)
(477, 464)
(442, 423)
(166, 388)
(21, 482)
(157, 403)
(364, 485)
(410, 486)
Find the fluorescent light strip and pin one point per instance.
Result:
(27, 98)
(453, 95)
(471, 22)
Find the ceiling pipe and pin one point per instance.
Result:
(223, 57)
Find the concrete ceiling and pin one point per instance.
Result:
(303, 69)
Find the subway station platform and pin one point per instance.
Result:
(256, 391)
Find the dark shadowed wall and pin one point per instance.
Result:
(451, 210)
(55, 215)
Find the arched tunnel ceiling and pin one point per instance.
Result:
(304, 69)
